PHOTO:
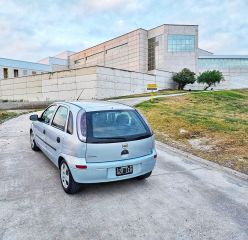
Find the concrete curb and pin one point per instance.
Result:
(23, 105)
(201, 161)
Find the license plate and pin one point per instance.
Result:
(124, 170)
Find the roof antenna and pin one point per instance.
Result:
(136, 25)
(80, 95)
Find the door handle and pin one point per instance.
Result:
(44, 131)
(58, 139)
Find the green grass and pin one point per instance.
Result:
(157, 93)
(6, 115)
(221, 117)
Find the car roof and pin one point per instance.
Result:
(97, 105)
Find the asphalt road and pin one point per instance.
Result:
(183, 199)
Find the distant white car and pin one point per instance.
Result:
(94, 141)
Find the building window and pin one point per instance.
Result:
(16, 73)
(181, 43)
(5, 73)
(222, 63)
(25, 72)
(151, 53)
(33, 72)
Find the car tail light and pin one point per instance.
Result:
(81, 125)
(81, 166)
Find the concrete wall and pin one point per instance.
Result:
(97, 82)
(67, 85)
(236, 78)
(22, 88)
(115, 82)
(51, 86)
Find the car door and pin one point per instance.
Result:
(40, 127)
(56, 132)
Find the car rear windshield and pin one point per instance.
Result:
(116, 126)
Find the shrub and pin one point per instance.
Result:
(211, 78)
(183, 78)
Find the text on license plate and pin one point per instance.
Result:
(124, 170)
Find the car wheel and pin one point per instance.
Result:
(67, 181)
(147, 175)
(34, 147)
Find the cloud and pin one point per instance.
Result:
(32, 30)
(96, 6)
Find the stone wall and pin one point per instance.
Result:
(115, 82)
(234, 79)
(59, 85)
(98, 83)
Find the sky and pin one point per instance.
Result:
(34, 29)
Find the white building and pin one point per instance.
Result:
(58, 62)
(168, 47)
(122, 66)
(233, 67)
(11, 68)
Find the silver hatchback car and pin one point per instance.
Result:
(94, 141)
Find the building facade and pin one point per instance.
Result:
(167, 47)
(58, 62)
(233, 67)
(11, 68)
(120, 66)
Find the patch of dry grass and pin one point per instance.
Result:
(212, 125)
(8, 114)
(4, 115)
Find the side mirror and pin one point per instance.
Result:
(34, 117)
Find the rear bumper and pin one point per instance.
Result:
(106, 171)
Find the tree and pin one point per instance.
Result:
(183, 78)
(211, 78)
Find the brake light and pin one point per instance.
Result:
(81, 166)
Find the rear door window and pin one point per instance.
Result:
(60, 118)
(70, 123)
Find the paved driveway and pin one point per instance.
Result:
(134, 101)
(183, 199)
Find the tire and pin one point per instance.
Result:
(34, 147)
(147, 175)
(67, 181)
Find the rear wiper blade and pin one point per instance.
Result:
(141, 137)
(115, 138)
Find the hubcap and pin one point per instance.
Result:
(32, 139)
(64, 174)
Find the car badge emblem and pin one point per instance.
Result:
(125, 146)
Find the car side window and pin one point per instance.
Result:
(70, 124)
(60, 117)
(47, 114)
